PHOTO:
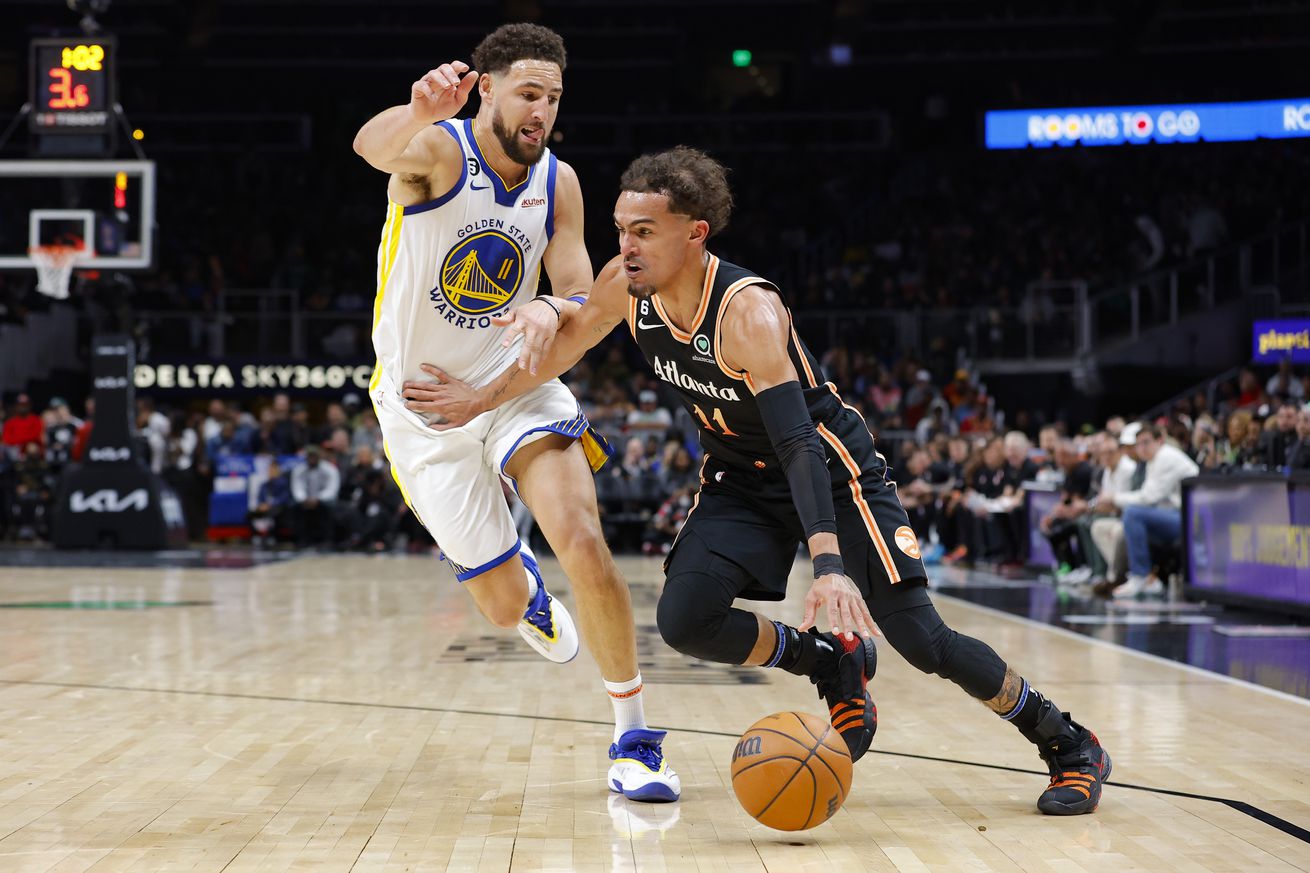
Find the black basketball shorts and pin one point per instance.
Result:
(744, 525)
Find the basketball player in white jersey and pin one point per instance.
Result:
(476, 207)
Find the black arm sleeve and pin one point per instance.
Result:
(794, 438)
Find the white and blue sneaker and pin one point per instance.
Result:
(547, 625)
(639, 771)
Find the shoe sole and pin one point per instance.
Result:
(651, 792)
(1085, 807)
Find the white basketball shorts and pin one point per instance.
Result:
(452, 479)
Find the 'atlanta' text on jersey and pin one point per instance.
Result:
(721, 399)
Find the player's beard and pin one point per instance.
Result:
(641, 292)
(512, 146)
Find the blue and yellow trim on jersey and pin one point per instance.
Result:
(594, 445)
(388, 249)
(504, 193)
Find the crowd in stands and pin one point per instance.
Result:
(321, 478)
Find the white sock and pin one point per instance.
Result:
(628, 711)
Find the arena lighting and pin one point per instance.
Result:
(1138, 125)
(741, 57)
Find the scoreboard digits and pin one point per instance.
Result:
(72, 85)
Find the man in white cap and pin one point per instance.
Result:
(649, 416)
(1152, 513)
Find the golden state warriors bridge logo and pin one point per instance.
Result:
(479, 278)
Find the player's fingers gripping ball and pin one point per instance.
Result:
(791, 771)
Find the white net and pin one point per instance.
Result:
(54, 268)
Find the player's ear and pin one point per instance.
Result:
(485, 84)
(700, 231)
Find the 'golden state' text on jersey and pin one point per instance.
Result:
(446, 267)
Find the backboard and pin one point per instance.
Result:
(108, 205)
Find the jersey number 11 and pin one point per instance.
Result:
(718, 419)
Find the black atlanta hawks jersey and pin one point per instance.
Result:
(722, 400)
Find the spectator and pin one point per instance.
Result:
(1061, 525)
(335, 420)
(226, 444)
(667, 521)
(367, 431)
(1284, 384)
(918, 495)
(1153, 513)
(1298, 454)
(1120, 472)
(218, 413)
(1236, 451)
(679, 472)
(918, 398)
(376, 507)
(1205, 443)
(649, 417)
(84, 430)
(29, 508)
(22, 426)
(314, 488)
(955, 524)
(938, 421)
(884, 398)
(270, 505)
(1278, 439)
(153, 427)
(1250, 394)
(60, 434)
(288, 432)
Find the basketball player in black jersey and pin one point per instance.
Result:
(785, 461)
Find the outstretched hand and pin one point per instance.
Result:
(536, 324)
(442, 92)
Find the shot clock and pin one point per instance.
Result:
(73, 86)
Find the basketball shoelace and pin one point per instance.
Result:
(644, 749)
(539, 615)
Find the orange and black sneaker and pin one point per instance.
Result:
(1073, 755)
(845, 688)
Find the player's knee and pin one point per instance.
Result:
(683, 621)
(918, 638)
(583, 543)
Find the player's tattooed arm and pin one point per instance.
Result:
(458, 403)
(1008, 697)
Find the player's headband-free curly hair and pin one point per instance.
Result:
(695, 183)
(518, 42)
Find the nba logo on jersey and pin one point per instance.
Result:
(482, 273)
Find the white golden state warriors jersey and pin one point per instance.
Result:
(447, 266)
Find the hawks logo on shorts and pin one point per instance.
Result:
(482, 273)
(907, 542)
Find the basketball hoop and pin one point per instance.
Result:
(54, 267)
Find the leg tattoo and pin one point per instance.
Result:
(1008, 697)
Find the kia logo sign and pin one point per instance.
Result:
(108, 500)
(122, 453)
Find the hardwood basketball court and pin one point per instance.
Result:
(349, 713)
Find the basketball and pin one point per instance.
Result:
(791, 771)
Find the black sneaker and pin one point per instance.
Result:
(846, 691)
(1077, 763)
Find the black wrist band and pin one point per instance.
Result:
(828, 564)
(543, 299)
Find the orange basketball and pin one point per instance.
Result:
(791, 771)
